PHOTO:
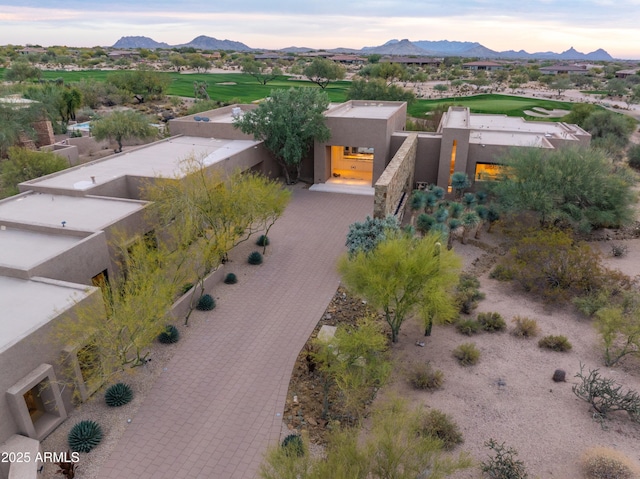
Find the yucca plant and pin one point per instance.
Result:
(118, 395)
(206, 303)
(170, 335)
(84, 436)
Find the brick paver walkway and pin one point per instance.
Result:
(219, 405)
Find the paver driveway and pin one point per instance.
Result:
(219, 404)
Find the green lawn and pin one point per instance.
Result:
(245, 89)
(495, 104)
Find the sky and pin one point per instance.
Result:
(534, 26)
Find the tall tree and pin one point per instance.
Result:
(21, 71)
(209, 214)
(404, 275)
(123, 125)
(288, 122)
(322, 71)
(142, 84)
(260, 71)
(377, 89)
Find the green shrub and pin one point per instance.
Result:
(525, 327)
(439, 425)
(491, 322)
(468, 327)
(423, 376)
(206, 303)
(605, 463)
(501, 273)
(468, 293)
(590, 303)
(634, 156)
(170, 335)
(263, 240)
(118, 395)
(467, 354)
(230, 278)
(185, 288)
(619, 250)
(504, 464)
(84, 436)
(555, 343)
(255, 258)
(293, 445)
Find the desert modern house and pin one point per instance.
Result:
(56, 236)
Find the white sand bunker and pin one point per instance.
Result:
(544, 113)
(227, 83)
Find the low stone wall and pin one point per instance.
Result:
(181, 307)
(396, 182)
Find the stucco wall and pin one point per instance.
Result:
(396, 180)
(22, 358)
(188, 126)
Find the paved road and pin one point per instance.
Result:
(219, 405)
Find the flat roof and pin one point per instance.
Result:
(22, 249)
(364, 109)
(161, 159)
(506, 138)
(21, 315)
(78, 212)
(516, 124)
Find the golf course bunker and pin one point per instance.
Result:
(544, 113)
(227, 83)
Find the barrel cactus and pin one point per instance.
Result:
(84, 436)
(118, 395)
(170, 335)
(206, 303)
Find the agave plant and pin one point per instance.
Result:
(206, 303)
(230, 279)
(118, 395)
(255, 258)
(84, 436)
(170, 335)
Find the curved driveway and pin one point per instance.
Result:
(219, 405)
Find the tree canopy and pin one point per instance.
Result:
(404, 275)
(288, 122)
(142, 84)
(322, 71)
(122, 125)
(377, 89)
(578, 187)
(24, 165)
(260, 71)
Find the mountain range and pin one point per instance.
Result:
(442, 48)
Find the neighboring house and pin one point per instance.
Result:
(56, 236)
(414, 61)
(348, 59)
(483, 66)
(626, 73)
(565, 69)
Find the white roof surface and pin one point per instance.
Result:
(20, 315)
(24, 249)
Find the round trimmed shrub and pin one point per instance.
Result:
(439, 425)
(293, 445)
(555, 343)
(467, 354)
(491, 322)
(255, 258)
(230, 278)
(84, 436)
(170, 335)
(206, 303)
(423, 376)
(468, 327)
(605, 463)
(263, 240)
(118, 395)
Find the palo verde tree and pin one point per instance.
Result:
(404, 275)
(260, 71)
(578, 187)
(121, 328)
(122, 125)
(322, 71)
(142, 84)
(288, 122)
(207, 214)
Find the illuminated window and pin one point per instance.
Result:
(488, 171)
